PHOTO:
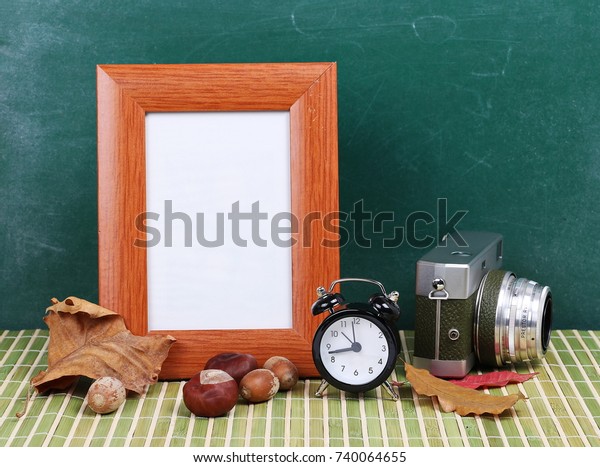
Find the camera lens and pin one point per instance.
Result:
(513, 319)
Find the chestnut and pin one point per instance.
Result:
(235, 364)
(285, 370)
(106, 394)
(259, 385)
(210, 393)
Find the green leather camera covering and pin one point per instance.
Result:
(487, 317)
(457, 314)
(424, 327)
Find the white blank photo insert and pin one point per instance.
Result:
(217, 201)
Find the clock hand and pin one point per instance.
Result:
(353, 333)
(349, 340)
(347, 349)
(355, 347)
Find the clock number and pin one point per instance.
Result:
(380, 361)
(380, 335)
(355, 372)
(343, 367)
(356, 320)
(334, 333)
(328, 346)
(332, 359)
(343, 324)
(370, 370)
(383, 348)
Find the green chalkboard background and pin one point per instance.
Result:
(491, 106)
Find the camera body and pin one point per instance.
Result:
(469, 310)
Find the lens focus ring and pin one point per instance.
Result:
(486, 340)
(517, 313)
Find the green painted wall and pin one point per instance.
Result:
(493, 106)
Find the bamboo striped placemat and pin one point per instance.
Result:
(562, 409)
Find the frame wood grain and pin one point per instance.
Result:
(125, 94)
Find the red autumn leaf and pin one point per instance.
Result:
(495, 379)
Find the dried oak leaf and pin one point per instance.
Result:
(89, 340)
(453, 398)
(495, 379)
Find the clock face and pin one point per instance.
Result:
(354, 351)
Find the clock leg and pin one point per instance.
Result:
(322, 388)
(390, 389)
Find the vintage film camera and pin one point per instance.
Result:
(469, 310)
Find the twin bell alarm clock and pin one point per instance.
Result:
(356, 347)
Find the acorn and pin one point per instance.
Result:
(259, 385)
(106, 395)
(285, 370)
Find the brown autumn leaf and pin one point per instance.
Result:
(453, 398)
(89, 340)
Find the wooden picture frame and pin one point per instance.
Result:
(126, 93)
